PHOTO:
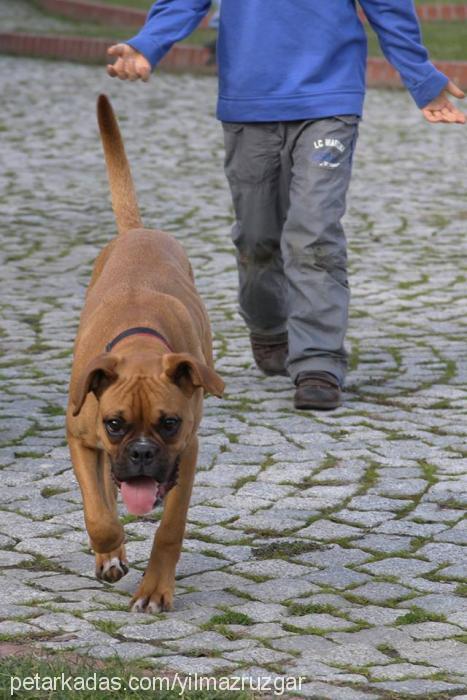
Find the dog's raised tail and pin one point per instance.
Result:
(124, 202)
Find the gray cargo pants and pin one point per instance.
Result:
(289, 182)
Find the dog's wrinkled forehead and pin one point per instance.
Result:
(140, 381)
(143, 400)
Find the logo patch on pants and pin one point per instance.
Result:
(325, 152)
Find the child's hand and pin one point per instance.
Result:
(441, 108)
(130, 64)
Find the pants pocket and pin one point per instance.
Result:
(252, 152)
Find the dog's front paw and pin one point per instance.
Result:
(111, 567)
(159, 599)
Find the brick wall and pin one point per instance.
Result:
(67, 48)
(381, 74)
(448, 13)
(432, 13)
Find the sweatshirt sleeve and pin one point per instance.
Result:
(396, 25)
(168, 21)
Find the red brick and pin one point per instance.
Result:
(433, 13)
(380, 73)
(447, 13)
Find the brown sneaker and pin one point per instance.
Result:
(270, 353)
(317, 390)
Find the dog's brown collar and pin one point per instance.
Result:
(137, 330)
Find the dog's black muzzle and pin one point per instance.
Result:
(142, 457)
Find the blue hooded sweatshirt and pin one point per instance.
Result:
(282, 60)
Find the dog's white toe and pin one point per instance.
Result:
(139, 605)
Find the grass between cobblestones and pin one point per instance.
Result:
(417, 615)
(100, 676)
(105, 680)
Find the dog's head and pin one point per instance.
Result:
(148, 411)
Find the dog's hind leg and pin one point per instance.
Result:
(156, 591)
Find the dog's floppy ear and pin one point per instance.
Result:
(187, 373)
(96, 377)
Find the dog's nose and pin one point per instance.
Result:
(142, 453)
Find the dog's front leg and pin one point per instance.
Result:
(110, 566)
(100, 513)
(156, 591)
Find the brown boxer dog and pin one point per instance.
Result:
(142, 363)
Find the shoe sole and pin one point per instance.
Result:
(329, 406)
(271, 373)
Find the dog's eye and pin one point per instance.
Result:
(115, 426)
(169, 425)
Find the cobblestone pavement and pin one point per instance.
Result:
(323, 545)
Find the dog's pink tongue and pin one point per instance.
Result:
(139, 494)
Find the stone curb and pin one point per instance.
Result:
(75, 48)
(381, 74)
(447, 13)
(433, 13)
(183, 57)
